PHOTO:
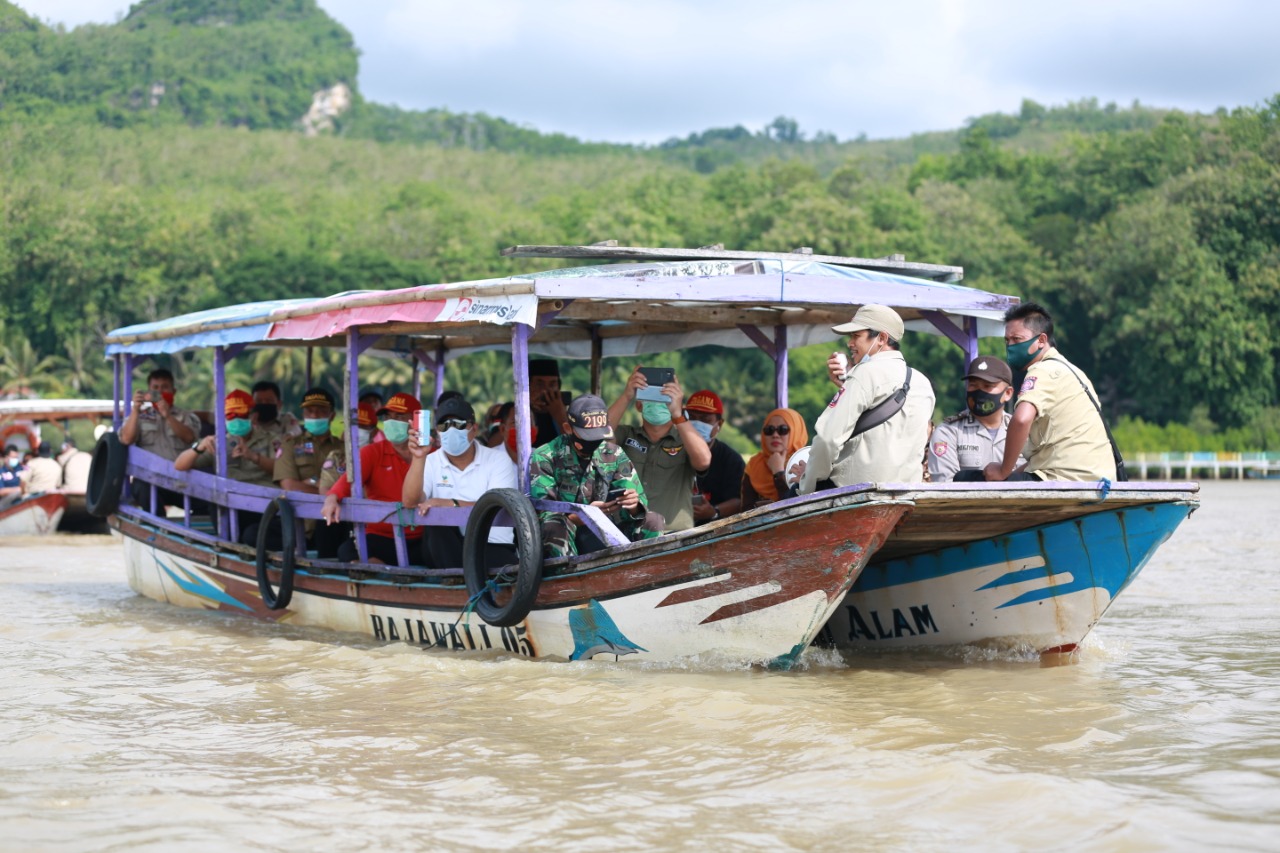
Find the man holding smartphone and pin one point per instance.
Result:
(582, 465)
(157, 425)
(666, 450)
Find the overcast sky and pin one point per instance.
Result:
(646, 71)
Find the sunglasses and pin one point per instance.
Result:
(452, 423)
(780, 430)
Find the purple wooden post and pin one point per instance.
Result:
(780, 365)
(402, 548)
(520, 358)
(220, 429)
(353, 434)
(971, 331)
(128, 384)
(116, 407)
(439, 389)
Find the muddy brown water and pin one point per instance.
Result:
(132, 725)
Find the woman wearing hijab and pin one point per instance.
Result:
(765, 480)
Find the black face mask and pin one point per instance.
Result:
(587, 449)
(266, 412)
(983, 403)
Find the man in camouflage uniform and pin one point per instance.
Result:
(581, 466)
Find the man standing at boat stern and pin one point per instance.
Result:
(964, 444)
(582, 465)
(666, 450)
(875, 428)
(1057, 418)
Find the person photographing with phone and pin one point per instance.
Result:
(583, 465)
(666, 450)
(157, 425)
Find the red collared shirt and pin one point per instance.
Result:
(382, 471)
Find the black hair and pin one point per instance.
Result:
(1034, 316)
(160, 373)
(12, 448)
(266, 385)
(894, 345)
(504, 410)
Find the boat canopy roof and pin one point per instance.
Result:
(54, 410)
(632, 308)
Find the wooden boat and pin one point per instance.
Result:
(757, 587)
(20, 422)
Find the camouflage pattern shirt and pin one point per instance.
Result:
(556, 473)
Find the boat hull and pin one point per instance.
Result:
(755, 590)
(38, 516)
(1040, 589)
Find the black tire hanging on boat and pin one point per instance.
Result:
(106, 476)
(277, 600)
(528, 536)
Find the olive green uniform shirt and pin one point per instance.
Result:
(666, 471)
(1068, 440)
(154, 433)
(242, 469)
(302, 458)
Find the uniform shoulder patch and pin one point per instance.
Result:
(1027, 384)
(940, 448)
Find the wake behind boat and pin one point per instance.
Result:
(758, 587)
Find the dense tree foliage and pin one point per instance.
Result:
(1154, 237)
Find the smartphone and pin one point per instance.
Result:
(615, 495)
(656, 377)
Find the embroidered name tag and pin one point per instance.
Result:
(631, 442)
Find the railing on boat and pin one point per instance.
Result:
(228, 498)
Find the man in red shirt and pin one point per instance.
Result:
(383, 465)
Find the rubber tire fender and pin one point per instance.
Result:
(528, 536)
(106, 476)
(277, 600)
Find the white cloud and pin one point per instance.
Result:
(645, 71)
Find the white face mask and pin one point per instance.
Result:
(870, 353)
(703, 429)
(364, 435)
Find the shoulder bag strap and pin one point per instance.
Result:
(885, 409)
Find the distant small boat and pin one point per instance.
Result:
(37, 516)
(20, 422)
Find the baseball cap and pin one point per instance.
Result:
(990, 369)
(317, 397)
(401, 404)
(366, 416)
(878, 318)
(238, 404)
(589, 417)
(705, 401)
(455, 407)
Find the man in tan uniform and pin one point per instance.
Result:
(891, 452)
(1055, 417)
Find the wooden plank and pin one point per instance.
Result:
(892, 264)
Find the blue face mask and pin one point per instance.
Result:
(397, 432)
(656, 413)
(703, 429)
(239, 427)
(454, 442)
(316, 426)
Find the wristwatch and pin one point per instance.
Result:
(195, 445)
(679, 419)
(455, 502)
(717, 511)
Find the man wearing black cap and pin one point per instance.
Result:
(964, 444)
(457, 475)
(298, 462)
(582, 465)
(546, 400)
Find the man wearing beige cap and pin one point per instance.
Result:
(875, 428)
(964, 444)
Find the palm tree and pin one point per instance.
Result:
(24, 372)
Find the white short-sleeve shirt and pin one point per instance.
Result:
(491, 469)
